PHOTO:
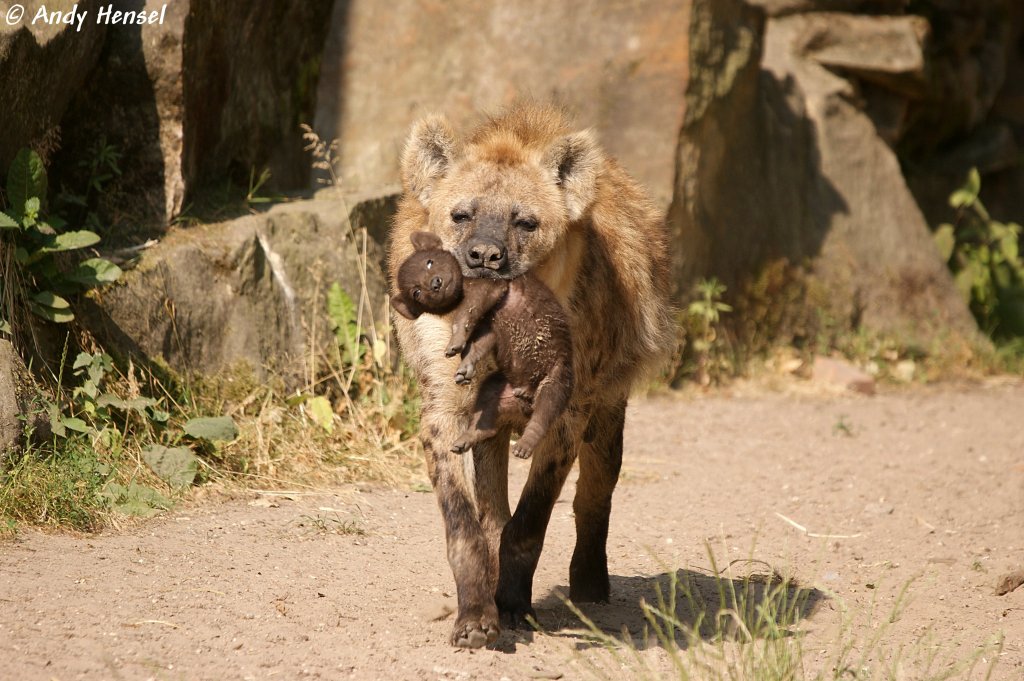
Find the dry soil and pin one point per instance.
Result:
(915, 490)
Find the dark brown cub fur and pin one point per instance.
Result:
(519, 320)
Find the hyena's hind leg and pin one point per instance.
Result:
(600, 462)
(549, 402)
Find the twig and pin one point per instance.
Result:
(815, 534)
(172, 625)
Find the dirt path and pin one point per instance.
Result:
(927, 485)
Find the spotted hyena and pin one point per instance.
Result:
(524, 193)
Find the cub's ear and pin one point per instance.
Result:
(409, 310)
(425, 241)
(429, 153)
(575, 162)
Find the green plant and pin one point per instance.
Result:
(706, 311)
(34, 242)
(253, 196)
(751, 628)
(984, 256)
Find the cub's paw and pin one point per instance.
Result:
(523, 393)
(462, 445)
(465, 373)
(455, 346)
(520, 451)
(475, 631)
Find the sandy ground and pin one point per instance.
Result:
(926, 488)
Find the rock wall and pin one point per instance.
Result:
(250, 290)
(782, 157)
(772, 130)
(214, 93)
(620, 66)
(41, 67)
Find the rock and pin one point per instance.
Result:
(888, 51)
(838, 373)
(466, 56)
(784, 7)
(251, 74)
(1009, 582)
(244, 291)
(212, 94)
(20, 407)
(42, 65)
(372, 210)
(783, 164)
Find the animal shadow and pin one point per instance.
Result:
(701, 606)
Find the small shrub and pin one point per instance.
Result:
(984, 256)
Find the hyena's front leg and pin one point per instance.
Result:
(600, 461)
(476, 624)
(523, 536)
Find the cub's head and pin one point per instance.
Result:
(502, 201)
(429, 280)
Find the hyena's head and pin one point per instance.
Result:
(502, 201)
(429, 280)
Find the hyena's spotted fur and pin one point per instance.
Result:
(524, 193)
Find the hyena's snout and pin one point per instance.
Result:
(487, 252)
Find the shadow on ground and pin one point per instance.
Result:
(709, 606)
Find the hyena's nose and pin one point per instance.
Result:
(435, 284)
(486, 252)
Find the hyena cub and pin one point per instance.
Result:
(519, 320)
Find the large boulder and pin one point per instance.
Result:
(251, 290)
(778, 160)
(620, 67)
(42, 65)
(211, 95)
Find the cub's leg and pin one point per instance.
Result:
(479, 346)
(485, 413)
(548, 404)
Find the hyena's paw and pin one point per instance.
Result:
(520, 619)
(475, 630)
(515, 609)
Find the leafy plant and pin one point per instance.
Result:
(984, 256)
(36, 240)
(344, 321)
(706, 311)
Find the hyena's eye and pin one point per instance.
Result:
(526, 224)
(416, 293)
(430, 263)
(459, 216)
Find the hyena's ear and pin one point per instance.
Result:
(409, 310)
(425, 241)
(575, 162)
(428, 154)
